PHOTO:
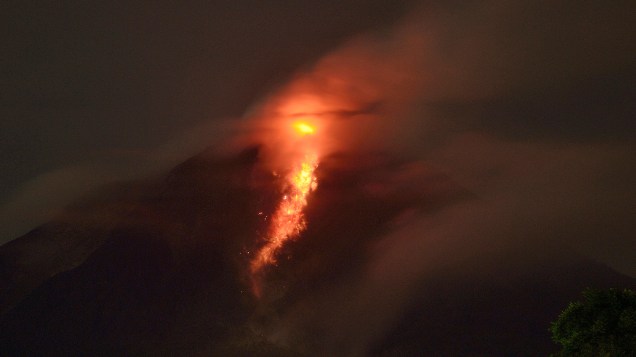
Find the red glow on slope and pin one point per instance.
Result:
(288, 221)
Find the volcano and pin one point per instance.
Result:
(161, 267)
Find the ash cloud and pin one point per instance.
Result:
(525, 104)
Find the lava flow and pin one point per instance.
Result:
(288, 221)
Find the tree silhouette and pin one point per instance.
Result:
(603, 324)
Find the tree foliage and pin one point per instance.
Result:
(603, 324)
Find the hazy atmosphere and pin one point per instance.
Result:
(528, 104)
(498, 134)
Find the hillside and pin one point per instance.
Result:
(160, 268)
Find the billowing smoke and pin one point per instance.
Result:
(478, 137)
(525, 104)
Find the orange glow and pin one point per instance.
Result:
(304, 128)
(288, 220)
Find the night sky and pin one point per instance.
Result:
(528, 104)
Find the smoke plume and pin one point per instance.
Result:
(524, 104)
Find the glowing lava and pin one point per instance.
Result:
(288, 221)
(303, 128)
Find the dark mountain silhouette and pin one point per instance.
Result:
(160, 268)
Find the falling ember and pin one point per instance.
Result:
(288, 221)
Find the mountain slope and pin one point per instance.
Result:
(160, 268)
